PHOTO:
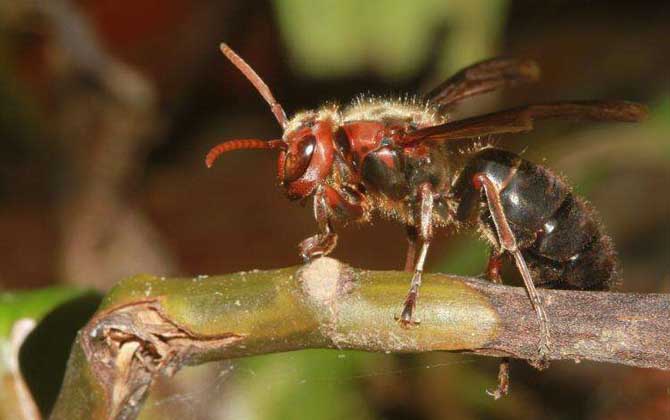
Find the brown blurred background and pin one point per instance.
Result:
(107, 109)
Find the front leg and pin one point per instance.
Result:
(425, 234)
(328, 204)
(325, 241)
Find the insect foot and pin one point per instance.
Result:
(542, 361)
(317, 245)
(405, 319)
(503, 382)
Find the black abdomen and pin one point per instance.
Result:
(572, 252)
(556, 231)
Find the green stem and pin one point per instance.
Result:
(148, 326)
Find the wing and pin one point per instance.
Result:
(517, 120)
(483, 77)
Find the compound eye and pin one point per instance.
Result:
(297, 161)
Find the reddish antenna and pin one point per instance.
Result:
(231, 145)
(258, 83)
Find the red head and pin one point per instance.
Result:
(306, 151)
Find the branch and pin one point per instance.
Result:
(149, 326)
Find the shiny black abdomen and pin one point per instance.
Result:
(556, 231)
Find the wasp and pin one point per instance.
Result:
(407, 160)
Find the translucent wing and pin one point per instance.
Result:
(521, 119)
(483, 77)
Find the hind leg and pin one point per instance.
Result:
(493, 274)
(508, 243)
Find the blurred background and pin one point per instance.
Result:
(107, 109)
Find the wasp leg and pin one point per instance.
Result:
(508, 243)
(425, 232)
(330, 204)
(503, 380)
(412, 238)
(493, 275)
(325, 241)
(493, 267)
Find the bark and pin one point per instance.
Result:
(149, 326)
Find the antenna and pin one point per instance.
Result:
(258, 83)
(231, 145)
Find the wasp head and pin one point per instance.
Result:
(307, 159)
(306, 148)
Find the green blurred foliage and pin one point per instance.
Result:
(303, 385)
(391, 37)
(32, 304)
(467, 258)
(660, 122)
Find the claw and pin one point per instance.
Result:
(503, 381)
(405, 319)
(497, 394)
(542, 360)
(407, 323)
(317, 246)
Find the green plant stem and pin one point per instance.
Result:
(149, 326)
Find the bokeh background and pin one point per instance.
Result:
(108, 107)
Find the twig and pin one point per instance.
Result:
(151, 326)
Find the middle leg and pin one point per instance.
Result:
(425, 234)
(412, 239)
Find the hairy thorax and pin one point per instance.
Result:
(369, 160)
